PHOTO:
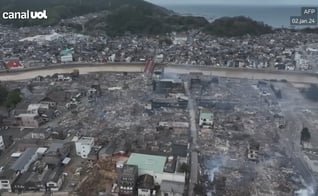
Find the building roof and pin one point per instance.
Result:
(179, 150)
(148, 162)
(14, 64)
(55, 95)
(206, 115)
(27, 115)
(53, 175)
(24, 159)
(129, 170)
(86, 140)
(172, 187)
(37, 106)
(146, 181)
(68, 51)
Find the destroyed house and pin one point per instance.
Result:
(54, 97)
(29, 120)
(168, 86)
(169, 102)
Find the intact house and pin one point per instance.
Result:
(5, 141)
(161, 168)
(56, 153)
(252, 151)
(206, 119)
(35, 173)
(128, 180)
(171, 188)
(23, 163)
(146, 185)
(40, 178)
(83, 146)
(29, 120)
(7, 177)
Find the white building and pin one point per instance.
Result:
(34, 108)
(180, 39)
(67, 58)
(156, 166)
(206, 119)
(83, 146)
(2, 145)
(159, 58)
(29, 120)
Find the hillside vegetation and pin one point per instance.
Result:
(129, 16)
(237, 26)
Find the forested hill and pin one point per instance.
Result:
(61, 9)
(237, 26)
(129, 16)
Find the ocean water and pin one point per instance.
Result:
(275, 16)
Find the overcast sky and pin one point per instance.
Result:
(237, 2)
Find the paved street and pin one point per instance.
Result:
(296, 77)
(193, 132)
(82, 69)
(292, 105)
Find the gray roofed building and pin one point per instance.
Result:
(179, 150)
(7, 177)
(113, 148)
(146, 181)
(56, 153)
(170, 188)
(54, 179)
(24, 162)
(29, 181)
(146, 185)
(128, 180)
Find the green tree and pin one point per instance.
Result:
(3, 94)
(312, 93)
(305, 135)
(184, 167)
(13, 98)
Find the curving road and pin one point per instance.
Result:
(194, 162)
(291, 76)
(29, 74)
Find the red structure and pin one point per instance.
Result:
(149, 66)
(14, 64)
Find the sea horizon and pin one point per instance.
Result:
(276, 16)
